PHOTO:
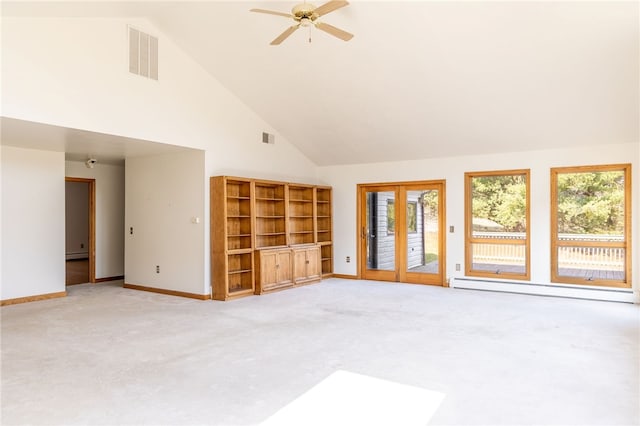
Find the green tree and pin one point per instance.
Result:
(501, 199)
(591, 202)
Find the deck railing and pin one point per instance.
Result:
(609, 258)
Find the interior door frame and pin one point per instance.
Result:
(92, 223)
(400, 275)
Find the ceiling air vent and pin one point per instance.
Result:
(143, 54)
(268, 138)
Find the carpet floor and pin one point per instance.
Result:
(108, 355)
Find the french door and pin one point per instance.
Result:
(402, 232)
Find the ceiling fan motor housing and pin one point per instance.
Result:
(304, 10)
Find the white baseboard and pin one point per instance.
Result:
(609, 294)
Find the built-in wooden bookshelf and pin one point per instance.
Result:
(301, 215)
(238, 215)
(324, 231)
(326, 253)
(231, 238)
(268, 235)
(270, 214)
(240, 274)
(323, 214)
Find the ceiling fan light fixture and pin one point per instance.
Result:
(306, 15)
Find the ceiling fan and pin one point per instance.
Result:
(306, 15)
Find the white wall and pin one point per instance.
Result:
(33, 239)
(109, 214)
(73, 72)
(345, 178)
(76, 213)
(1, 216)
(163, 195)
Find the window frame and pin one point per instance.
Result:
(470, 240)
(556, 243)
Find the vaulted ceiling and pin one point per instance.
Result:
(420, 79)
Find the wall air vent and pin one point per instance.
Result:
(143, 54)
(268, 138)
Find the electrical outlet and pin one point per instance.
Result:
(131, 230)
(457, 266)
(157, 269)
(348, 259)
(81, 245)
(451, 229)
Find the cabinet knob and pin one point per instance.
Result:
(277, 266)
(307, 262)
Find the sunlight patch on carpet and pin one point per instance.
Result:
(346, 398)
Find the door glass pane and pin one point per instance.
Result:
(423, 239)
(380, 231)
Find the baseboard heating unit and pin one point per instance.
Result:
(608, 294)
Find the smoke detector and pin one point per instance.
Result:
(90, 163)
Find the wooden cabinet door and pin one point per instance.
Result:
(268, 269)
(299, 265)
(313, 263)
(283, 267)
(306, 264)
(275, 270)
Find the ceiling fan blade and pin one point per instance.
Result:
(272, 12)
(336, 32)
(284, 35)
(330, 7)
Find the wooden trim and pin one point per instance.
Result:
(469, 240)
(92, 223)
(32, 298)
(168, 292)
(612, 244)
(359, 233)
(498, 241)
(626, 244)
(345, 276)
(106, 279)
(417, 183)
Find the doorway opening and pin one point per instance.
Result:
(402, 230)
(80, 219)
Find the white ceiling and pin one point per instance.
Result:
(420, 79)
(78, 145)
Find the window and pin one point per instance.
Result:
(590, 225)
(497, 224)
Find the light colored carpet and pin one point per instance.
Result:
(107, 355)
